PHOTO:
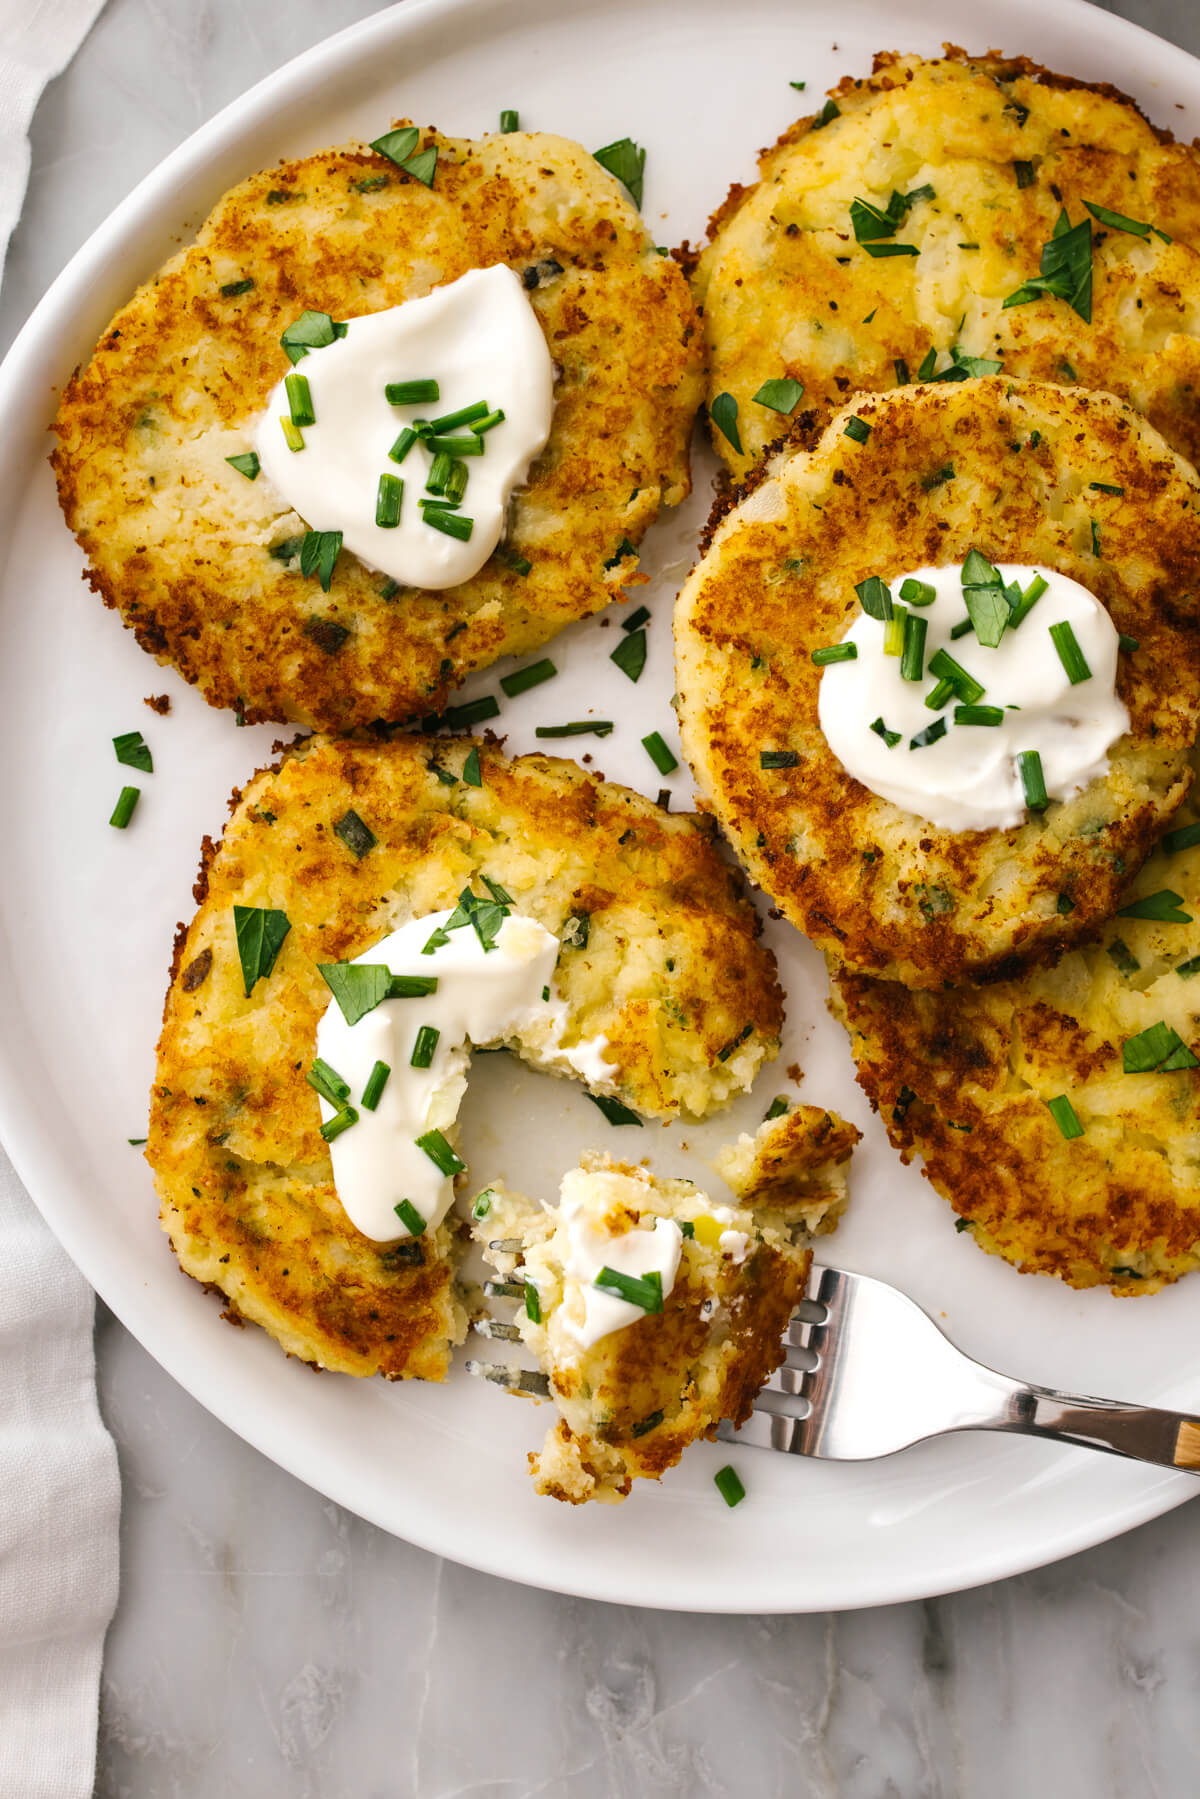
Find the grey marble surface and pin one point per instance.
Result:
(268, 1643)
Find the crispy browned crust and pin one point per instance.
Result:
(180, 543)
(671, 974)
(885, 891)
(781, 256)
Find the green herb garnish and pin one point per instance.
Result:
(1159, 1050)
(411, 1219)
(979, 715)
(613, 1110)
(1063, 1114)
(1185, 838)
(340, 1122)
(388, 496)
(1122, 956)
(1165, 907)
(642, 1290)
(133, 751)
(917, 593)
(1033, 780)
(857, 429)
(580, 727)
(778, 758)
(1070, 654)
(509, 121)
(627, 161)
(260, 931)
(929, 735)
(246, 464)
(423, 1048)
(472, 774)
(357, 836)
(891, 738)
(318, 556)
(912, 660)
(450, 524)
(781, 395)
(630, 654)
(728, 1484)
(358, 987)
(377, 1080)
(659, 754)
(532, 675)
(1117, 221)
(328, 1083)
(1066, 269)
(724, 412)
(443, 1157)
(835, 652)
(311, 331)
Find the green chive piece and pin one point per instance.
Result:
(462, 718)
(580, 727)
(659, 754)
(726, 1480)
(1105, 487)
(451, 524)
(470, 445)
(293, 437)
(1064, 905)
(487, 423)
(136, 1142)
(311, 331)
(533, 1303)
(630, 654)
(300, 399)
(402, 445)
(962, 629)
(968, 689)
(1123, 957)
(1117, 221)
(828, 113)
(979, 715)
(422, 167)
(781, 395)
(857, 429)
(874, 597)
(929, 735)
(1024, 173)
(358, 987)
(532, 675)
(377, 1080)
(247, 464)
(1066, 270)
(917, 593)
(471, 772)
(410, 393)
(1027, 601)
(639, 617)
(627, 161)
(613, 1110)
(328, 1083)
(1097, 547)
(987, 604)
(798, 85)
(902, 374)
(1185, 838)
(388, 496)
(835, 652)
(423, 1048)
(464, 416)
(1070, 654)
(1164, 906)
(439, 472)
(233, 290)
(777, 1108)
(123, 811)
(456, 483)
(941, 695)
(928, 363)
(1159, 1050)
(1033, 780)
(723, 412)
(1128, 644)
(318, 556)
(893, 632)
(1063, 1114)
(641, 1290)
(912, 661)
(357, 836)
(509, 121)
(878, 250)
(133, 751)
(483, 1203)
(1186, 969)
(339, 1123)
(260, 933)
(440, 1153)
(398, 145)
(411, 1219)
(891, 738)
(779, 759)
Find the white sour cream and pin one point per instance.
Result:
(969, 780)
(482, 997)
(479, 338)
(646, 1249)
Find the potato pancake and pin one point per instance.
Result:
(1018, 1098)
(887, 232)
(1024, 472)
(203, 563)
(347, 840)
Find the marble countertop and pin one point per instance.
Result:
(269, 1643)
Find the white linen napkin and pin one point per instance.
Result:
(37, 41)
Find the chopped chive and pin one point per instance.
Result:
(439, 472)
(488, 423)
(533, 1303)
(1063, 1114)
(123, 811)
(938, 478)
(659, 754)
(798, 85)
(328, 1082)
(623, 549)
(577, 931)
(580, 727)
(339, 1123)
(247, 464)
(1066, 272)
(451, 524)
(857, 429)
(962, 629)
(532, 675)
(929, 735)
(311, 331)
(260, 932)
(613, 1110)
(1158, 1050)
(928, 363)
(835, 652)
(1064, 905)
(1033, 780)
(233, 290)
(828, 113)
(358, 987)
(423, 1048)
(878, 250)
(1027, 601)
(409, 393)
(723, 412)
(1070, 654)
(411, 1219)
(874, 597)
(630, 654)
(471, 772)
(893, 632)
(388, 496)
(293, 437)
(455, 446)
(917, 593)
(627, 161)
(509, 121)
(440, 1153)
(902, 375)
(1123, 957)
(943, 665)
(781, 395)
(724, 1053)
(377, 1080)
(891, 738)
(979, 715)
(1185, 838)
(357, 836)
(645, 1425)
(1024, 173)
(133, 751)
(912, 661)
(483, 1203)
(397, 145)
(1117, 221)
(299, 398)
(636, 619)
(727, 1480)
(545, 994)
(406, 986)
(642, 1290)
(687, 1229)
(778, 1106)
(1164, 907)
(318, 556)
(1105, 487)
(402, 445)
(423, 167)
(941, 695)
(779, 758)
(1128, 644)
(474, 712)
(136, 1142)
(1186, 969)
(1097, 547)
(464, 416)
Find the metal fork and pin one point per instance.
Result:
(867, 1372)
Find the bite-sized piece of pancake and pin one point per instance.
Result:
(983, 154)
(965, 1080)
(631, 1402)
(1024, 471)
(203, 564)
(795, 1167)
(348, 840)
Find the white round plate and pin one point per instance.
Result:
(87, 913)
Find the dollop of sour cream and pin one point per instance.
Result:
(589, 1312)
(969, 779)
(479, 338)
(482, 997)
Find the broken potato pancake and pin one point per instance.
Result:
(204, 564)
(795, 1167)
(343, 841)
(942, 212)
(1022, 472)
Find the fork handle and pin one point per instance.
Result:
(1143, 1433)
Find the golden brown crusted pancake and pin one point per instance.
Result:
(672, 973)
(884, 890)
(786, 290)
(182, 544)
(963, 1078)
